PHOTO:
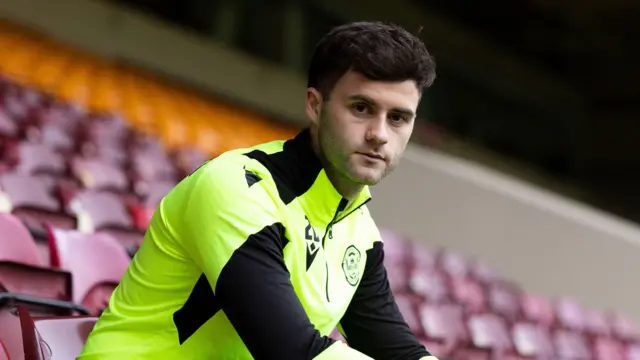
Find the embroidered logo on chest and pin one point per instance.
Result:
(351, 265)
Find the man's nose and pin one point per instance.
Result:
(378, 131)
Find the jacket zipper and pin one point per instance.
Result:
(341, 206)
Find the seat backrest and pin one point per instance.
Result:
(11, 334)
(455, 264)
(443, 322)
(65, 337)
(504, 300)
(422, 257)
(157, 191)
(571, 345)
(28, 191)
(395, 247)
(484, 273)
(537, 309)
(4, 353)
(489, 331)
(430, 284)
(532, 340)
(34, 158)
(625, 328)
(570, 314)
(633, 351)
(608, 348)
(99, 175)
(96, 210)
(92, 259)
(189, 159)
(469, 293)
(16, 244)
(597, 322)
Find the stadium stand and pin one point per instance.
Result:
(89, 149)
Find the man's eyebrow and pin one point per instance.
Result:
(401, 111)
(363, 98)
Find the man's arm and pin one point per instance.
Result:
(231, 229)
(373, 323)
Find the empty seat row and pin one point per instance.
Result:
(82, 268)
(24, 337)
(179, 117)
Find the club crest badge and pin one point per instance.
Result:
(351, 265)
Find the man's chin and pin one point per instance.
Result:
(368, 178)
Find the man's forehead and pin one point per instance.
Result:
(356, 86)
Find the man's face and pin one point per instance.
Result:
(364, 128)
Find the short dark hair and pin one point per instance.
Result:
(379, 51)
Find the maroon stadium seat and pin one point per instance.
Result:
(633, 351)
(395, 248)
(431, 285)
(55, 128)
(103, 132)
(422, 257)
(533, 340)
(99, 175)
(489, 335)
(156, 193)
(570, 314)
(8, 128)
(142, 212)
(4, 353)
(30, 201)
(30, 158)
(443, 327)
(22, 270)
(64, 337)
(625, 328)
(455, 264)
(103, 211)
(571, 345)
(11, 334)
(33, 345)
(537, 309)
(504, 299)
(597, 322)
(608, 348)
(96, 261)
(469, 293)
(189, 159)
(484, 273)
(151, 167)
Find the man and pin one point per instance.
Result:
(262, 252)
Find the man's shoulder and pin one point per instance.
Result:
(230, 178)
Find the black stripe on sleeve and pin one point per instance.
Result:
(373, 323)
(258, 298)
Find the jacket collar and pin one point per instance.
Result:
(321, 198)
(298, 174)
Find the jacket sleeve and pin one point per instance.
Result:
(230, 227)
(373, 323)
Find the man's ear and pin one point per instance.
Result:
(313, 104)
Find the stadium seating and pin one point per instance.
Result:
(87, 151)
(96, 262)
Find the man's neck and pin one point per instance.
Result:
(347, 188)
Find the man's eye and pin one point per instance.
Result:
(360, 108)
(398, 118)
